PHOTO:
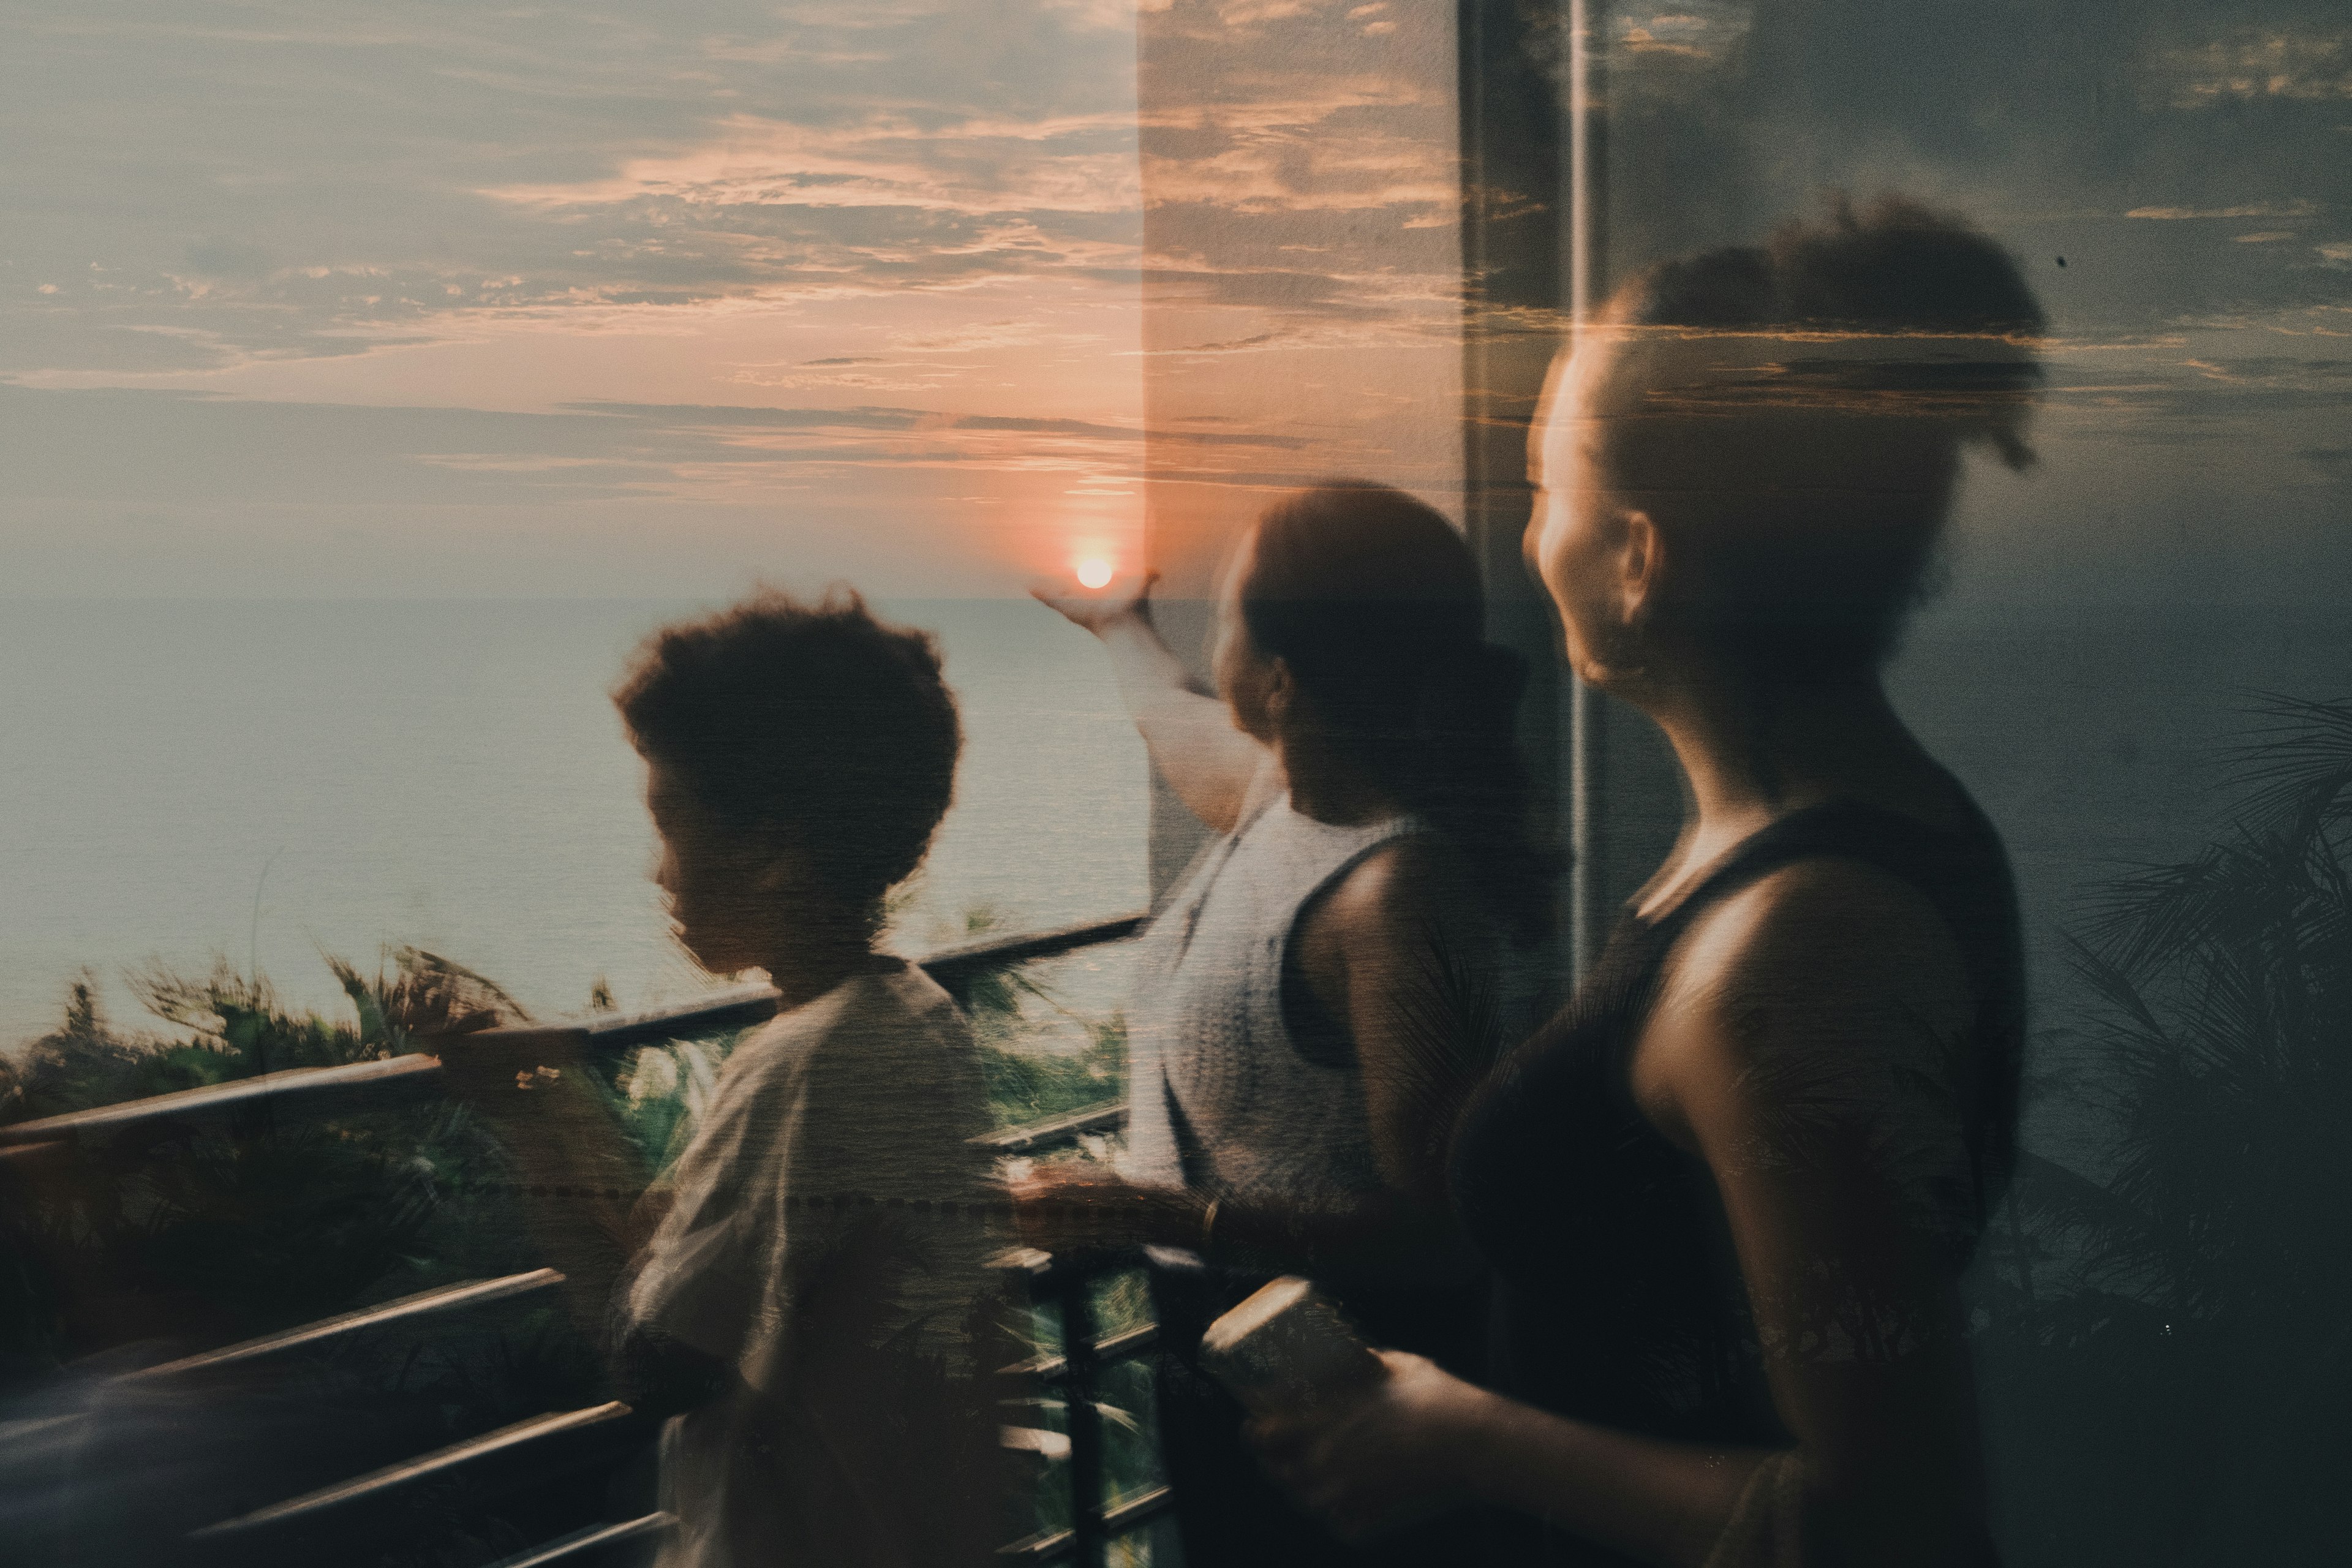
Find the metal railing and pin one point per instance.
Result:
(1095, 1521)
(375, 1085)
(537, 1446)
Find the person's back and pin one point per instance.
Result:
(1239, 1084)
(1322, 988)
(827, 1237)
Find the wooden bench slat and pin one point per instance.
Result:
(1138, 1509)
(736, 1007)
(592, 1538)
(448, 1299)
(375, 1082)
(1111, 1347)
(390, 1478)
(1126, 1516)
(1039, 1135)
(951, 965)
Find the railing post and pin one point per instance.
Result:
(1068, 1283)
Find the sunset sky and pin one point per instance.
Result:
(340, 299)
(308, 297)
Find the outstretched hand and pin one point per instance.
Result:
(1096, 609)
(1369, 1465)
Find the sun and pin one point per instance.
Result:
(1094, 571)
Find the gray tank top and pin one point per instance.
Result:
(1221, 1097)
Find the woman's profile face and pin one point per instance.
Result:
(1244, 676)
(1569, 535)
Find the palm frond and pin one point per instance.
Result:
(2221, 1006)
(2295, 767)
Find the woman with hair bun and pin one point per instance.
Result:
(1729, 1194)
(1309, 1013)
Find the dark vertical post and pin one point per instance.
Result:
(1588, 210)
(1517, 235)
(1624, 792)
(1533, 260)
(1089, 1545)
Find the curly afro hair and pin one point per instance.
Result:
(815, 720)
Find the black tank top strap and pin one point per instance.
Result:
(1963, 871)
(1914, 852)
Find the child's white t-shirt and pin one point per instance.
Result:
(828, 1239)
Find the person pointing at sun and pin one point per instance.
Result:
(1306, 1020)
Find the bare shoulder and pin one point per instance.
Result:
(1828, 923)
(1407, 885)
(1824, 970)
(1400, 912)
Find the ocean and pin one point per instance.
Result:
(265, 782)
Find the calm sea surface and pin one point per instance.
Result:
(272, 781)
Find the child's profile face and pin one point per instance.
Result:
(710, 879)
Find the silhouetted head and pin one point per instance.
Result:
(799, 758)
(1751, 455)
(1353, 623)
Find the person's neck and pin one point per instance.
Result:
(1326, 789)
(1755, 750)
(818, 957)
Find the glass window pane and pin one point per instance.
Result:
(2128, 638)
